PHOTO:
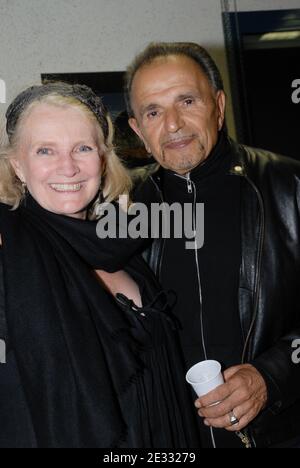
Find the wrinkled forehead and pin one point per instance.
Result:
(168, 64)
(42, 117)
(168, 75)
(57, 124)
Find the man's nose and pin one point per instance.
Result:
(173, 120)
(67, 165)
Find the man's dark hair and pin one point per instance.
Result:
(165, 49)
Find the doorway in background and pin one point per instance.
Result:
(263, 50)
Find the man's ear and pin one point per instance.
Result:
(221, 102)
(135, 127)
(15, 163)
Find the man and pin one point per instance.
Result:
(237, 296)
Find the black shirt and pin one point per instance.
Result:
(16, 427)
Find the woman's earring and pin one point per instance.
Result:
(24, 189)
(100, 197)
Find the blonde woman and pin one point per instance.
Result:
(83, 368)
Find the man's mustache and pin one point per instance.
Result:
(177, 139)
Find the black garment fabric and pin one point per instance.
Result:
(219, 262)
(268, 292)
(210, 325)
(80, 371)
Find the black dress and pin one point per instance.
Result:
(15, 419)
(125, 386)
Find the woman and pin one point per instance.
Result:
(81, 370)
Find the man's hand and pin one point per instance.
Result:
(243, 395)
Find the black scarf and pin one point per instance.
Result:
(77, 363)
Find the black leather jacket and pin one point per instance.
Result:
(269, 288)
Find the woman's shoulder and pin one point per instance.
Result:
(5, 210)
(5, 206)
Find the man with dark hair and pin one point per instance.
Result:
(165, 49)
(237, 296)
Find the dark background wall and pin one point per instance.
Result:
(264, 60)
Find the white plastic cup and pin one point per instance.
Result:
(205, 376)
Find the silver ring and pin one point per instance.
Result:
(233, 419)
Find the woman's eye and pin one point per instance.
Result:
(84, 148)
(43, 151)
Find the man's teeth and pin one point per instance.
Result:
(66, 187)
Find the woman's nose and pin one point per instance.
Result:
(67, 165)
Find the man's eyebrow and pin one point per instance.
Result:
(181, 97)
(188, 95)
(148, 107)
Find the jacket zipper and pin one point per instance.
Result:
(162, 243)
(189, 183)
(191, 188)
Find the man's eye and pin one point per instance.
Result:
(152, 114)
(189, 101)
(43, 151)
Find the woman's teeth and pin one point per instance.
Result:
(66, 187)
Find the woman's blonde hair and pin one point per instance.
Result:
(115, 180)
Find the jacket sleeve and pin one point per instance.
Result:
(280, 367)
(280, 364)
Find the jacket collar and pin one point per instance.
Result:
(238, 162)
